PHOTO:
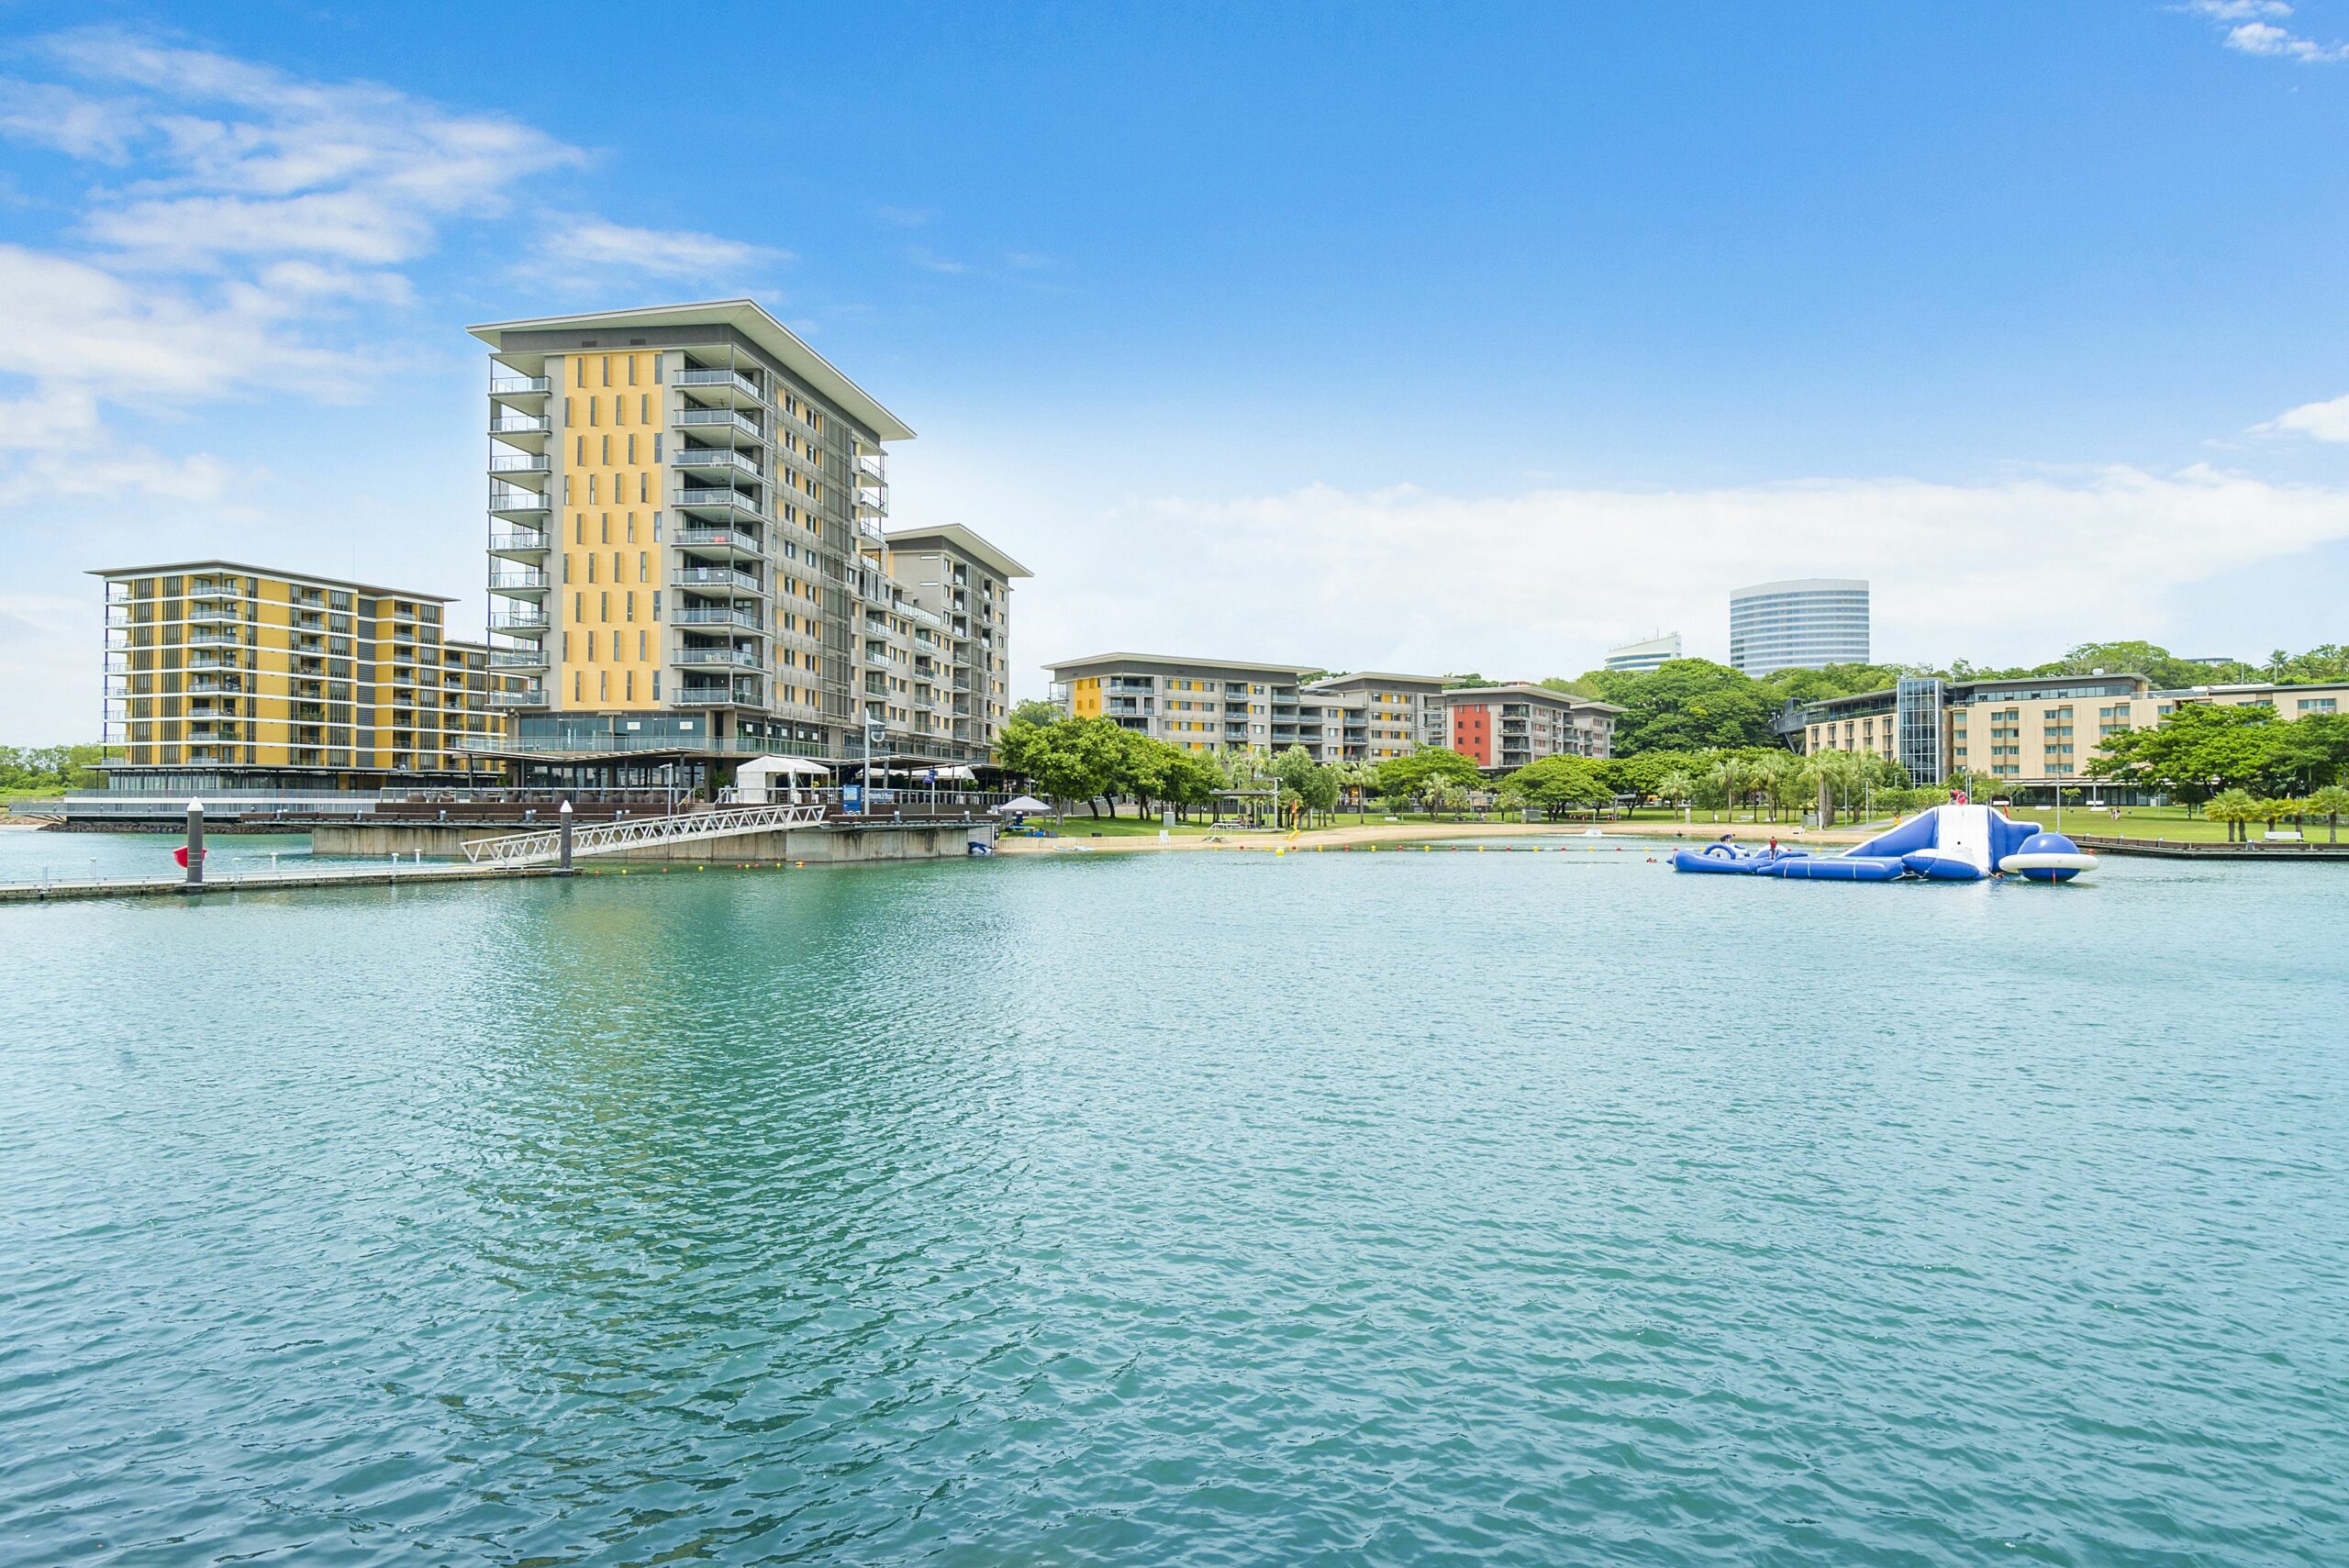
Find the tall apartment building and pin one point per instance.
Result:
(690, 561)
(1645, 655)
(2029, 730)
(1512, 726)
(226, 676)
(1803, 623)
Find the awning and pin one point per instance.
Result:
(1026, 806)
(767, 767)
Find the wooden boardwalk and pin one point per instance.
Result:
(256, 881)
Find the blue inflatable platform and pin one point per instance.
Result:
(1948, 843)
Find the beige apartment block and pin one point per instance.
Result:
(1508, 727)
(224, 675)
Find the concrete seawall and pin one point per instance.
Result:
(827, 845)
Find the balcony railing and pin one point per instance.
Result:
(213, 638)
(511, 579)
(720, 378)
(517, 540)
(509, 386)
(517, 501)
(714, 457)
(697, 496)
(519, 696)
(517, 658)
(739, 658)
(725, 418)
(695, 697)
(214, 618)
(716, 576)
(521, 424)
(517, 620)
(685, 617)
(725, 539)
(520, 462)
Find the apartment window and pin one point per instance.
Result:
(594, 494)
(656, 685)
(631, 369)
(656, 446)
(643, 488)
(590, 569)
(603, 685)
(644, 404)
(606, 537)
(627, 687)
(608, 370)
(581, 441)
(631, 449)
(591, 420)
(630, 606)
(616, 566)
(656, 604)
(574, 686)
(643, 567)
(608, 452)
(578, 612)
(643, 640)
(566, 567)
(604, 608)
(579, 527)
(591, 648)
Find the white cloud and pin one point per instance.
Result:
(903, 216)
(2326, 421)
(48, 115)
(921, 256)
(1538, 583)
(2237, 10)
(595, 246)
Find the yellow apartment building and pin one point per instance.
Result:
(222, 675)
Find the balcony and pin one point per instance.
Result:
(517, 658)
(505, 503)
(211, 588)
(720, 382)
(517, 542)
(214, 618)
(517, 620)
(213, 638)
(699, 495)
(712, 616)
(724, 577)
(517, 580)
(715, 696)
(519, 386)
(519, 696)
(506, 464)
(716, 458)
(731, 541)
(717, 658)
(717, 419)
(504, 424)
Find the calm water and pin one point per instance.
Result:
(1192, 1209)
(28, 855)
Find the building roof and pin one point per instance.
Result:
(1388, 677)
(247, 570)
(1804, 584)
(1179, 662)
(1527, 689)
(746, 317)
(959, 538)
(1662, 640)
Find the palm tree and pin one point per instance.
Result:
(1674, 788)
(2234, 807)
(2332, 803)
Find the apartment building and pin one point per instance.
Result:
(1508, 727)
(691, 561)
(1801, 624)
(1382, 715)
(221, 676)
(1202, 703)
(1647, 655)
(2027, 731)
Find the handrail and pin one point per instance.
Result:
(515, 849)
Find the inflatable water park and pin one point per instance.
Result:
(1947, 844)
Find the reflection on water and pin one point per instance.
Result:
(1193, 1208)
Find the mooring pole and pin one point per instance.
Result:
(563, 868)
(195, 883)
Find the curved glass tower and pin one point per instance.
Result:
(1803, 623)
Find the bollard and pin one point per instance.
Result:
(563, 867)
(195, 883)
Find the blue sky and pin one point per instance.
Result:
(1368, 337)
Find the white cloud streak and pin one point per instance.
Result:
(2326, 421)
(594, 247)
(1539, 583)
(2251, 29)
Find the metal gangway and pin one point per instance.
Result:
(543, 844)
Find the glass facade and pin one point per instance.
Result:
(1801, 625)
(1918, 711)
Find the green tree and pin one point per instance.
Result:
(1035, 711)
(1422, 774)
(1558, 785)
(2236, 809)
(2332, 803)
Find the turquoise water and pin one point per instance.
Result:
(30, 855)
(1191, 1209)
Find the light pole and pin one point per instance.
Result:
(864, 791)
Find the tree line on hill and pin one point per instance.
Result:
(1694, 705)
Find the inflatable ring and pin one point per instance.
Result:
(1719, 851)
